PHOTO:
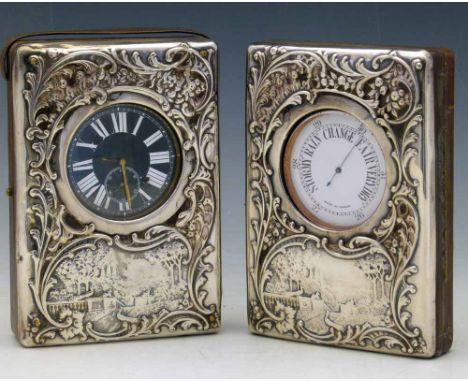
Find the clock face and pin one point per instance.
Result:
(335, 170)
(123, 162)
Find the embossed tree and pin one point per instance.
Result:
(105, 269)
(375, 267)
(89, 270)
(68, 274)
(296, 266)
(179, 253)
(77, 273)
(281, 270)
(172, 257)
(289, 269)
(85, 266)
(168, 259)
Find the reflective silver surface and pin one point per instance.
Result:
(376, 286)
(77, 277)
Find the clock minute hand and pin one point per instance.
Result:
(123, 164)
(106, 159)
(339, 168)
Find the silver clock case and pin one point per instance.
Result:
(79, 278)
(377, 286)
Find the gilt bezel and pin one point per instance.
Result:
(279, 157)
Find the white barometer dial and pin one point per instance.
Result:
(335, 170)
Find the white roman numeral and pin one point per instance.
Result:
(156, 178)
(100, 195)
(87, 182)
(120, 126)
(106, 204)
(123, 122)
(153, 138)
(124, 205)
(83, 165)
(159, 157)
(144, 194)
(92, 191)
(137, 126)
(88, 145)
(100, 129)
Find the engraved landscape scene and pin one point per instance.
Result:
(321, 292)
(108, 282)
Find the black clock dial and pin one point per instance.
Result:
(123, 162)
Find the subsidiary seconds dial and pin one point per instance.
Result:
(335, 170)
(123, 162)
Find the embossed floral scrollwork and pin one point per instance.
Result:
(181, 81)
(386, 84)
(182, 76)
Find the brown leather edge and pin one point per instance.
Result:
(444, 131)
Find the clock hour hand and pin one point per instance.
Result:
(106, 159)
(123, 164)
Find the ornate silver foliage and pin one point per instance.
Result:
(181, 81)
(281, 249)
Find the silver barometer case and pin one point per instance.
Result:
(384, 283)
(78, 277)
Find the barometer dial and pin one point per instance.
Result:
(335, 170)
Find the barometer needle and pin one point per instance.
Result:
(338, 169)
